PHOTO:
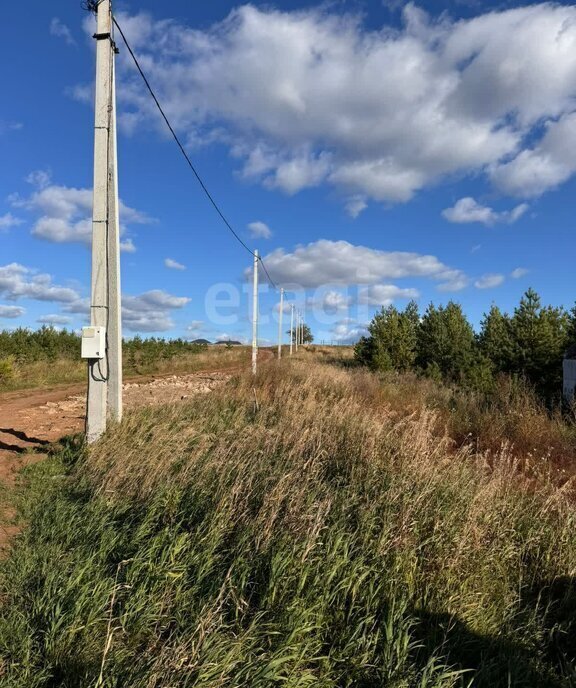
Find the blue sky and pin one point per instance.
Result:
(372, 151)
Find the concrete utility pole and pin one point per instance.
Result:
(255, 316)
(280, 323)
(104, 362)
(291, 327)
(296, 337)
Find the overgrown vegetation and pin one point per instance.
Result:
(34, 358)
(528, 345)
(339, 536)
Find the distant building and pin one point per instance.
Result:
(569, 365)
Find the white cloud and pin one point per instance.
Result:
(127, 246)
(326, 262)
(385, 294)
(196, 326)
(293, 94)
(150, 312)
(545, 166)
(64, 214)
(54, 319)
(355, 206)
(330, 302)
(11, 311)
(489, 281)
(8, 220)
(519, 272)
(259, 230)
(173, 264)
(348, 331)
(78, 307)
(467, 210)
(18, 281)
(60, 30)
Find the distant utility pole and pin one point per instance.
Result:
(280, 323)
(255, 316)
(291, 327)
(296, 336)
(102, 341)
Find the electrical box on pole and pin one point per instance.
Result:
(93, 345)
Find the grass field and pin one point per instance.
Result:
(350, 531)
(61, 370)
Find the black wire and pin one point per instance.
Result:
(267, 273)
(183, 151)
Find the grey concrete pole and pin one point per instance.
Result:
(280, 323)
(255, 316)
(114, 331)
(296, 337)
(98, 369)
(291, 328)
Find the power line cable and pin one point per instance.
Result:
(186, 156)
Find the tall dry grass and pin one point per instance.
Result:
(325, 537)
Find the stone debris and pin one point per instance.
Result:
(157, 391)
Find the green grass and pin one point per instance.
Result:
(322, 541)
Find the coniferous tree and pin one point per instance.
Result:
(540, 338)
(495, 340)
(392, 342)
(446, 342)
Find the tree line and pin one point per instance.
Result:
(441, 343)
(49, 344)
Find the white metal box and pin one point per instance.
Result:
(93, 342)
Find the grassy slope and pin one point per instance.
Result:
(337, 537)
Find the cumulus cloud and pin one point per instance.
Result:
(150, 312)
(341, 263)
(60, 30)
(348, 331)
(489, 281)
(54, 319)
(80, 306)
(173, 264)
(8, 220)
(64, 214)
(330, 302)
(519, 272)
(467, 210)
(259, 230)
(195, 327)
(545, 166)
(385, 294)
(147, 312)
(18, 281)
(11, 311)
(127, 246)
(292, 93)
